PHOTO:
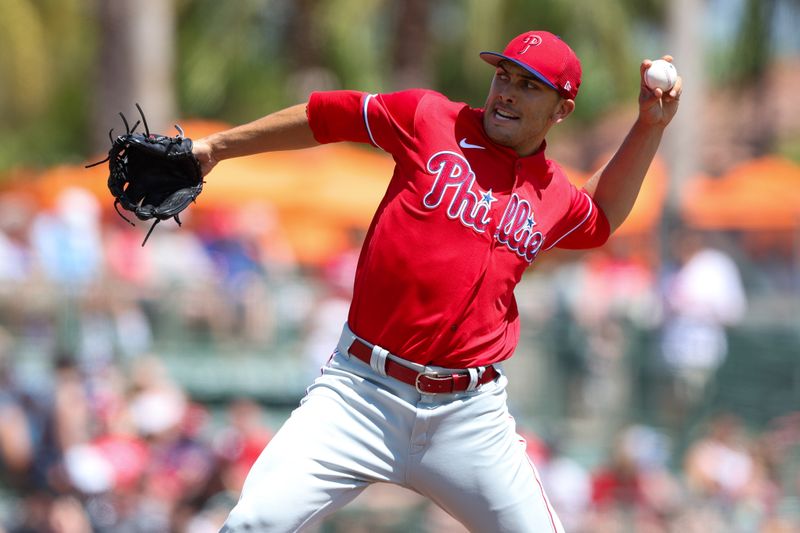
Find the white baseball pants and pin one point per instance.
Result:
(355, 427)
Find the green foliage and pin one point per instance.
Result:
(753, 47)
(225, 50)
(44, 97)
(650, 12)
(356, 42)
(790, 148)
(28, 68)
(240, 59)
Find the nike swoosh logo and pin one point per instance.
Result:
(464, 144)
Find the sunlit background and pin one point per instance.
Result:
(657, 379)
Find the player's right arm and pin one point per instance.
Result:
(287, 129)
(616, 186)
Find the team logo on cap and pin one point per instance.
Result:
(530, 40)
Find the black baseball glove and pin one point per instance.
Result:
(153, 176)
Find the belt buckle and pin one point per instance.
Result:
(432, 376)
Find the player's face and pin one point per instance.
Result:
(520, 109)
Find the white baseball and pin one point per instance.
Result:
(661, 75)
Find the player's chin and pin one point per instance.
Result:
(502, 134)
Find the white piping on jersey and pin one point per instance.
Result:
(588, 214)
(366, 120)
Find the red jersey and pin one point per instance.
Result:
(461, 220)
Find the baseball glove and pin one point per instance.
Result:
(152, 176)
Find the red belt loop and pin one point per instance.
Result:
(424, 382)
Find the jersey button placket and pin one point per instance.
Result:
(518, 170)
(514, 171)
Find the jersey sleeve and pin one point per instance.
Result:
(584, 226)
(383, 120)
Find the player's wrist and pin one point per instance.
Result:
(647, 124)
(204, 152)
(215, 146)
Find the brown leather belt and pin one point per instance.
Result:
(426, 383)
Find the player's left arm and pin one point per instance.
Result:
(287, 129)
(615, 186)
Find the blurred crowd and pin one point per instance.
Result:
(76, 260)
(96, 435)
(121, 451)
(729, 480)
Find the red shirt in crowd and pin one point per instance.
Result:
(461, 220)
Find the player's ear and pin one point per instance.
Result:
(564, 109)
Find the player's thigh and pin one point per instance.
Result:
(310, 468)
(476, 468)
(511, 500)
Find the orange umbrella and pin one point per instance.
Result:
(646, 213)
(759, 194)
(342, 183)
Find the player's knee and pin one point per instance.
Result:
(246, 519)
(242, 520)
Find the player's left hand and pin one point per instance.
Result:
(656, 108)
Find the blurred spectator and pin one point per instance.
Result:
(72, 416)
(568, 485)
(635, 483)
(16, 450)
(67, 515)
(273, 303)
(259, 224)
(132, 329)
(66, 241)
(16, 440)
(93, 329)
(618, 483)
(332, 306)
(734, 475)
(593, 334)
(157, 404)
(16, 212)
(239, 444)
(703, 296)
(183, 268)
(232, 240)
(719, 465)
(126, 259)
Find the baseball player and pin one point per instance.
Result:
(414, 393)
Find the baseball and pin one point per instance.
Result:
(661, 75)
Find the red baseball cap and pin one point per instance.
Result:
(545, 56)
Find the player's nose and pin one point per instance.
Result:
(506, 96)
(510, 93)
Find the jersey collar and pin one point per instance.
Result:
(533, 167)
(535, 162)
